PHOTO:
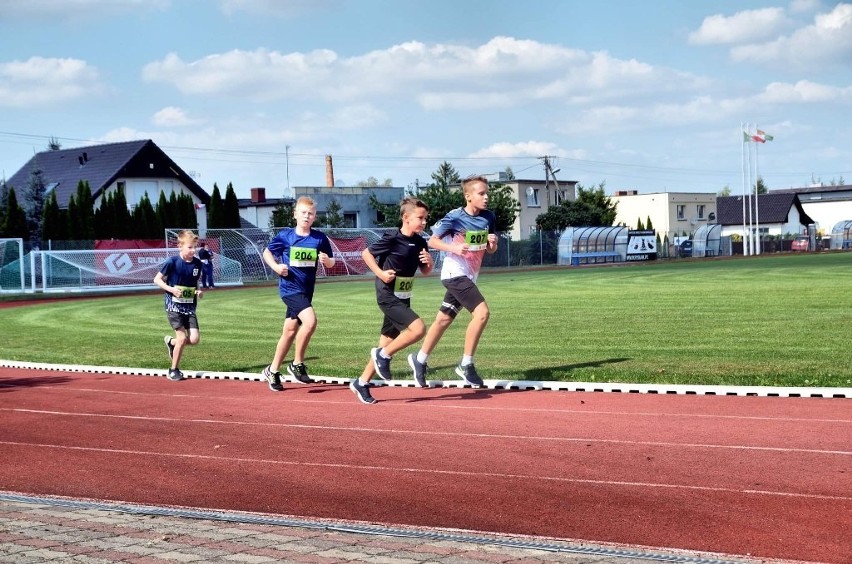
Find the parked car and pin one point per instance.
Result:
(800, 244)
(685, 248)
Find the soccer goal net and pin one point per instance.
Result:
(245, 246)
(106, 270)
(12, 274)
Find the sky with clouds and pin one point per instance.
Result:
(639, 95)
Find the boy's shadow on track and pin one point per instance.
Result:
(9, 384)
(553, 373)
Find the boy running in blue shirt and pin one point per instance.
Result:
(395, 259)
(465, 235)
(178, 278)
(293, 254)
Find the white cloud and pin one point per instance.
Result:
(173, 117)
(827, 40)
(438, 77)
(41, 81)
(804, 91)
(742, 27)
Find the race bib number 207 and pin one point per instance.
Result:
(476, 240)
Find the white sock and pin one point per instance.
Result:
(383, 354)
(466, 359)
(422, 357)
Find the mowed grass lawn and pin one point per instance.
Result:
(777, 320)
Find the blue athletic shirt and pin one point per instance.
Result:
(301, 254)
(458, 226)
(179, 273)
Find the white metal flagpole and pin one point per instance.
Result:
(745, 233)
(757, 194)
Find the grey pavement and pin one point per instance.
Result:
(44, 529)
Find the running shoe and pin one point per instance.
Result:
(175, 375)
(299, 372)
(274, 379)
(362, 392)
(171, 348)
(419, 369)
(469, 375)
(381, 364)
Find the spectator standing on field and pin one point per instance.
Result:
(206, 257)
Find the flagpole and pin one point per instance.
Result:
(745, 236)
(748, 196)
(756, 193)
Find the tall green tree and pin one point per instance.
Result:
(232, 208)
(591, 208)
(502, 201)
(33, 202)
(164, 214)
(333, 217)
(760, 186)
(216, 211)
(282, 215)
(52, 226)
(387, 215)
(16, 218)
(187, 217)
(144, 220)
(443, 194)
(84, 222)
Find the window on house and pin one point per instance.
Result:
(701, 211)
(350, 219)
(532, 197)
(681, 212)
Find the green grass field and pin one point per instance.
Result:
(770, 320)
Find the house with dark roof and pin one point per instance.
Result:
(137, 167)
(828, 206)
(773, 213)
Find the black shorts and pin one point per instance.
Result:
(296, 304)
(398, 316)
(461, 292)
(182, 321)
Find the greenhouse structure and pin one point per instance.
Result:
(841, 235)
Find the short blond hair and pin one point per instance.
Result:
(186, 236)
(467, 183)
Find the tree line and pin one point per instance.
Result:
(38, 217)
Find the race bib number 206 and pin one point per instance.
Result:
(303, 257)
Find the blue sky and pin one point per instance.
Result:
(642, 95)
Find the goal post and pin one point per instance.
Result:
(12, 266)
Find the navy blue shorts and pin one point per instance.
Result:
(296, 304)
(182, 321)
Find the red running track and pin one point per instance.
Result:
(766, 477)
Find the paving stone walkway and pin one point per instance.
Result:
(43, 532)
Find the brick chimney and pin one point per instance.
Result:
(329, 172)
(258, 195)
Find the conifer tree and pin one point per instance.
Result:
(216, 213)
(231, 208)
(16, 218)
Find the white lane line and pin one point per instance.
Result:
(430, 433)
(437, 405)
(465, 473)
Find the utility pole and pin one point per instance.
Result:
(550, 175)
(287, 159)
